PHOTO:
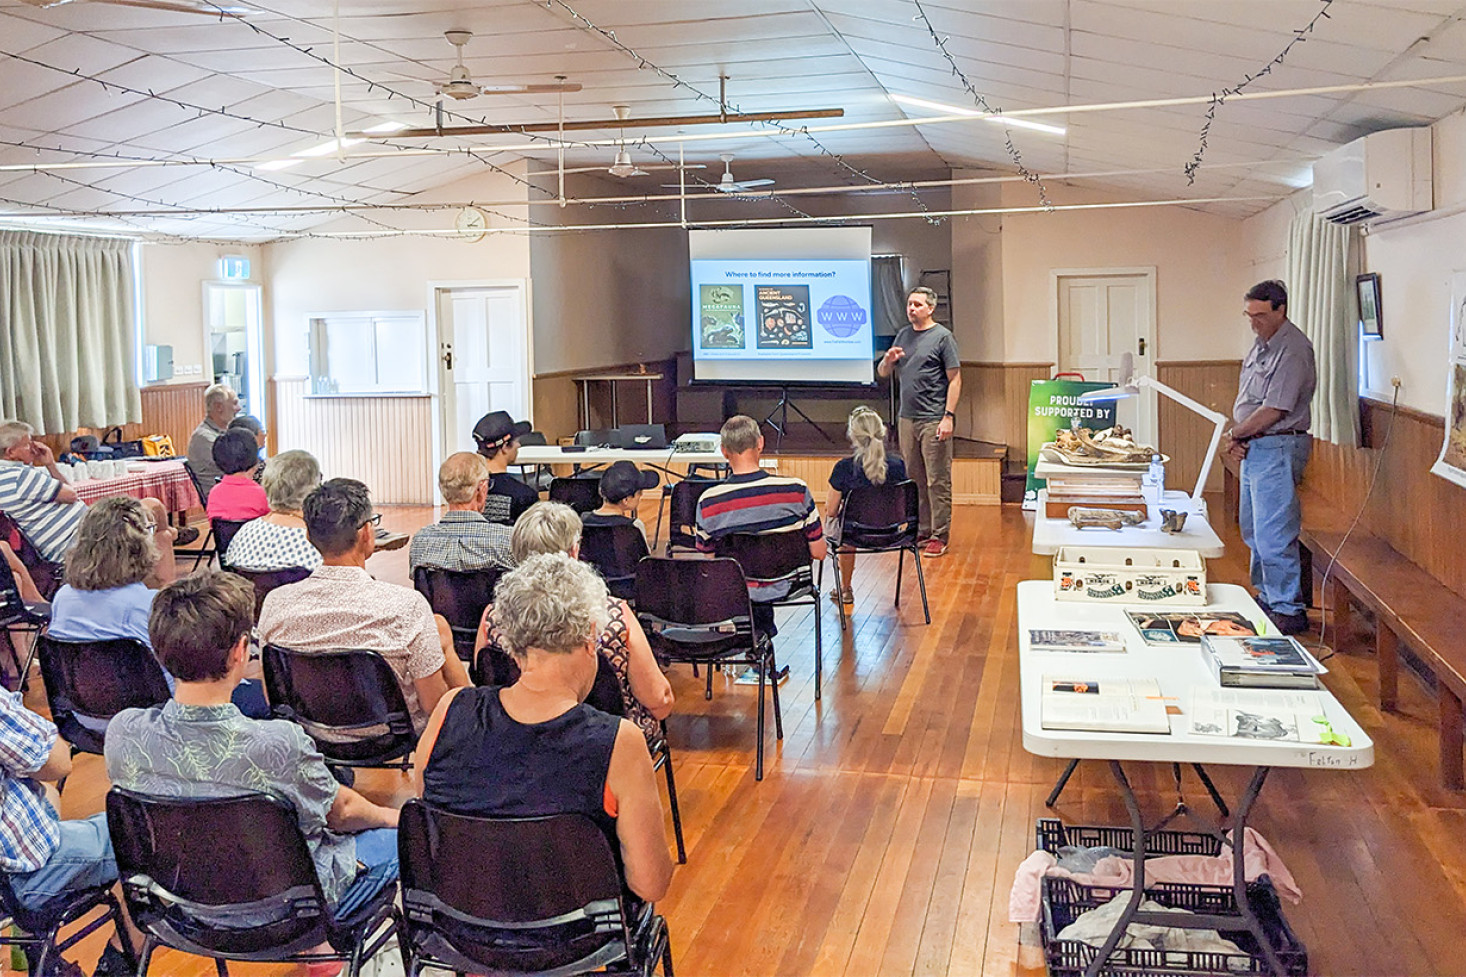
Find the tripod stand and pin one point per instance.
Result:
(782, 408)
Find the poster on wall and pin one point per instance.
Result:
(1053, 405)
(1451, 465)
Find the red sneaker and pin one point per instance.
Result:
(934, 548)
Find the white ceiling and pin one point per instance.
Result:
(247, 94)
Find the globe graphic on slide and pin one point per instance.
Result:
(840, 316)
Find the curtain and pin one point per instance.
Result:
(1321, 303)
(888, 294)
(66, 331)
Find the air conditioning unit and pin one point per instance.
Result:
(1383, 176)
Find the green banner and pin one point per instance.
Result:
(1052, 406)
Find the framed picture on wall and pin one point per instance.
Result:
(1371, 311)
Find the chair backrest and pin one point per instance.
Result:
(595, 438)
(614, 551)
(519, 895)
(348, 701)
(582, 493)
(495, 666)
(769, 557)
(267, 580)
(47, 576)
(682, 511)
(880, 516)
(13, 608)
(533, 438)
(224, 530)
(197, 480)
(220, 876)
(97, 680)
(693, 608)
(460, 596)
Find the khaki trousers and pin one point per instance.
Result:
(929, 465)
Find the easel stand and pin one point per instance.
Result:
(782, 408)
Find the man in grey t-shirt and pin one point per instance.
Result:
(924, 356)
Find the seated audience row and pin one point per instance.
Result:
(278, 539)
(237, 496)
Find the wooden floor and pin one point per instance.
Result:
(885, 833)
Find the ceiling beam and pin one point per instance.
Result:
(655, 122)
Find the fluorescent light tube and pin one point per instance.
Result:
(958, 110)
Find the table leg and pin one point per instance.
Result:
(1053, 797)
(1387, 650)
(1239, 870)
(1137, 886)
(649, 402)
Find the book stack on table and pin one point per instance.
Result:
(1269, 662)
(1100, 488)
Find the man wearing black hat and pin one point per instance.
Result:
(621, 488)
(497, 436)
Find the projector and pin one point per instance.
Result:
(698, 442)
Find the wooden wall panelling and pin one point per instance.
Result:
(556, 398)
(994, 405)
(975, 481)
(385, 442)
(174, 409)
(1183, 435)
(1417, 513)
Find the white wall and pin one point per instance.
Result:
(315, 275)
(1201, 272)
(977, 271)
(173, 297)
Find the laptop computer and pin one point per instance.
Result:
(642, 437)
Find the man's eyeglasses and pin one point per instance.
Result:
(375, 520)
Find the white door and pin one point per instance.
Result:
(483, 361)
(1101, 316)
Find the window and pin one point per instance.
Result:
(368, 353)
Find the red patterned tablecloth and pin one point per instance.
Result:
(166, 481)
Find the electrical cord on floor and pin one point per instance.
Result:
(1323, 627)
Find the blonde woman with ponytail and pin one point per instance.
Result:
(868, 465)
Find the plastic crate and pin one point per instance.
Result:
(1052, 834)
(1065, 900)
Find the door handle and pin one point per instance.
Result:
(447, 356)
(1142, 345)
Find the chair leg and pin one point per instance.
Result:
(835, 562)
(921, 581)
(672, 801)
(819, 646)
(709, 693)
(204, 546)
(774, 675)
(758, 767)
(146, 957)
(220, 967)
(901, 565)
(667, 957)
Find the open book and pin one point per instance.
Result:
(1114, 705)
(1258, 714)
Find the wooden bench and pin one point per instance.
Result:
(1409, 606)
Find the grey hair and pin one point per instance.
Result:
(460, 475)
(13, 433)
(114, 545)
(927, 294)
(550, 602)
(216, 394)
(867, 433)
(289, 477)
(740, 434)
(545, 527)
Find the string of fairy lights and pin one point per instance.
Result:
(1219, 98)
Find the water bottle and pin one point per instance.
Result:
(1157, 477)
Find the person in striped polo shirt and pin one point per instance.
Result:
(33, 493)
(752, 500)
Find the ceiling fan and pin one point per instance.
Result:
(460, 83)
(623, 166)
(220, 9)
(727, 184)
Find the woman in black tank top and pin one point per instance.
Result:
(534, 748)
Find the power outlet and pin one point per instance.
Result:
(1395, 382)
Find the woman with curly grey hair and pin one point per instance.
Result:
(278, 540)
(534, 748)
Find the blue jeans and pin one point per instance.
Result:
(82, 859)
(377, 850)
(1270, 517)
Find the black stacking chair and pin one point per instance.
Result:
(35, 930)
(682, 512)
(582, 492)
(348, 701)
(460, 596)
(19, 616)
(46, 575)
(520, 896)
(265, 581)
(614, 551)
(222, 531)
(536, 477)
(770, 558)
(205, 551)
(97, 680)
(595, 437)
(697, 611)
(200, 876)
(882, 519)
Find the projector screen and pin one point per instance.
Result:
(782, 306)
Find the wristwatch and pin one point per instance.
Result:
(947, 413)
